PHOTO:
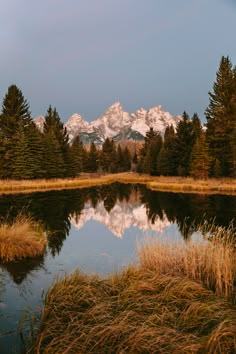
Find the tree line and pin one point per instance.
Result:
(28, 153)
(193, 150)
(190, 150)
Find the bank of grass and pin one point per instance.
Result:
(21, 239)
(190, 185)
(172, 302)
(172, 184)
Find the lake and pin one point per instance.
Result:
(96, 230)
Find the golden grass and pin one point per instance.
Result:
(21, 239)
(159, 306)
(173, 184)
(211, 262)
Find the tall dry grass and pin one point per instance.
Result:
(138, 311)
(161, 183)
(20, 239)
(211, 262)
(163, 305)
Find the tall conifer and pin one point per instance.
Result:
(220, 116)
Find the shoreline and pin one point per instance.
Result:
(157, 183)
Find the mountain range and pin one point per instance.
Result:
(117, 124)
(122, 217)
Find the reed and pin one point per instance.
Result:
(172, 302)
(21, 239)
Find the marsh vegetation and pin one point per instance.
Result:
(22, 238)
(177, 300)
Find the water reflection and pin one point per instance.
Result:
(118, 206)
(19, 270)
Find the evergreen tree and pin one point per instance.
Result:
(108, 156)
(135, 158)
(15, 111)
(197, 127)
(220, 116)
(35, 143)
(55, 133)
(163, 162)
(232, 157)
(92, 159)
(54, 166)
(183, 145)
(22, 156)
(149, 153)
(154, 150)
(120, 159)
(123, 159)
(200, 160)
(77, 153)
(2, 157)
(126, 159)
(167, 158)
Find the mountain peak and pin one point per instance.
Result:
(118, 124)
(114, 109)
(116, 104)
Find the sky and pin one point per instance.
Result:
(83, 55)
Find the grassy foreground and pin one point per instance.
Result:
(166, 304)
(21, 239)
(174, 184)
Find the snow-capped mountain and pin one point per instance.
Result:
(117, 124)
(39, 122)
(120, 218)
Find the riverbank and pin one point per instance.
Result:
(175, 301)
(168, 184)
(20, 239)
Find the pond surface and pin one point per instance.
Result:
(96, 230)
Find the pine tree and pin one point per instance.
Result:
(149, 153)
(21, 161)
(232, 155)
(55, 133)
(126, 159)
(92, 159)
(163, 162)
(35, 142)
(200, 160)
(2, 157)
(119, 159)
(219, 115)
(197, 127)
(54, 166)
(167, 158)
(183, 145)
(77, 153)
(108, 156)
(15, 111)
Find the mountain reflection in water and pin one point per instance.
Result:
(118, 207)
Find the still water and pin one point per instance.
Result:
(96, 230)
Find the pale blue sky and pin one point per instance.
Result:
(83, 55)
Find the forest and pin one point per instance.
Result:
(190, 150)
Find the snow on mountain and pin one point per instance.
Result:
(75, 125)
(118, 124)
(120, 218)
(39, 122)
(111, 122)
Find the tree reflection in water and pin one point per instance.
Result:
(54, 210)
